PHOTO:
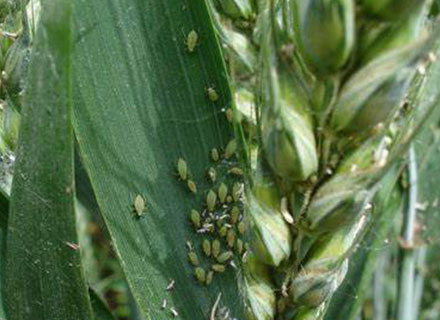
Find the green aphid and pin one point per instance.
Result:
(241, 228)
(215, 155)
(222, 192)
(212, 94)
(139, 205)
(229, 115)
(225, 256)
(230, 149)
(195, 218)
(229, 199)
(212, 174)
(192, 257)
(189, 245)
(191, 40)
(182, 169)
(218, 268)
(206, 246)
(230, 238)
(216, 247)
(209, 277)
(211, 228)
(208, 225)
(211, 200)
(200, 274)
(192, 186)
(235, 214)
(236, 191)
(239, 246)
(236, 171)
(223, 231)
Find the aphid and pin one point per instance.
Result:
(164, 304)
(192, 186)
(139, 205)
(229, 115)
(211, 199)
(223, 231)
(191, 40)
(239, 246)
(236, 191)
(209, 277)
(206, 246)
(225, 256)
(245, 255)
(215, 248)
(202, 230)
(212, 174)
(241, 227)
(229, 199)
(200, 274)
(222, 192)
(235, 214)
(209, 227)
(195, 218)
(192, 257)
(230, 238)
(171, 285)
(182, 169)
(189, 245)
(218, 268)
(223, 215)
(212, 94)
(72, 245)
(285, 211)
(236, 171)
(174, 312)
(214, 155)
(230, 149)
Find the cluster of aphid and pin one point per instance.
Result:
(220, 222)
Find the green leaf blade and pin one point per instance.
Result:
(4, 212)
(140, 104)
(44, 279)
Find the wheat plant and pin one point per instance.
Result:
(326, 94)
(219, 159)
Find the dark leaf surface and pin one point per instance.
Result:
(44, 279)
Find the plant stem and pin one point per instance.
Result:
(379, 298)
(407, 261)
(419, 280)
